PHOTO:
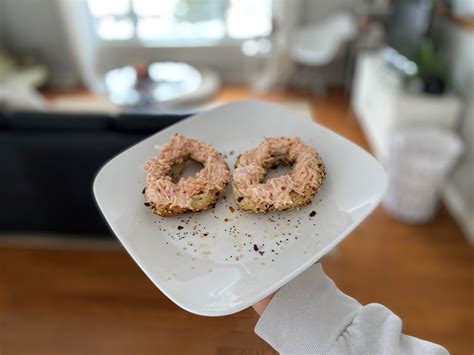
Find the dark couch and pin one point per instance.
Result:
(48, 163)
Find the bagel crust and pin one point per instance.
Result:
(282, 193)
(168, 194)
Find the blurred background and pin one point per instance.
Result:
(81, 80)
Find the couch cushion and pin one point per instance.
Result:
(3, 120)
(142, 123)
(42, 121)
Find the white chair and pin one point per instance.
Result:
(319, 44)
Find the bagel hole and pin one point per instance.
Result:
(275, 171)
(190, 168)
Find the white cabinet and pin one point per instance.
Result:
(382, 104)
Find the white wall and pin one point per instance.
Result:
(81, 39)
(34, 26)
(2, 24)
(457, 46)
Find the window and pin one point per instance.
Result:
(178, 21)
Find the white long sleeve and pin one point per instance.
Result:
(310, 315)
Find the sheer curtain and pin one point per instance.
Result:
(286, 14)
(81, 40)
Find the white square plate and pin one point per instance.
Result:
(217, 271)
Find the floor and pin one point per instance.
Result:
(96, 300)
